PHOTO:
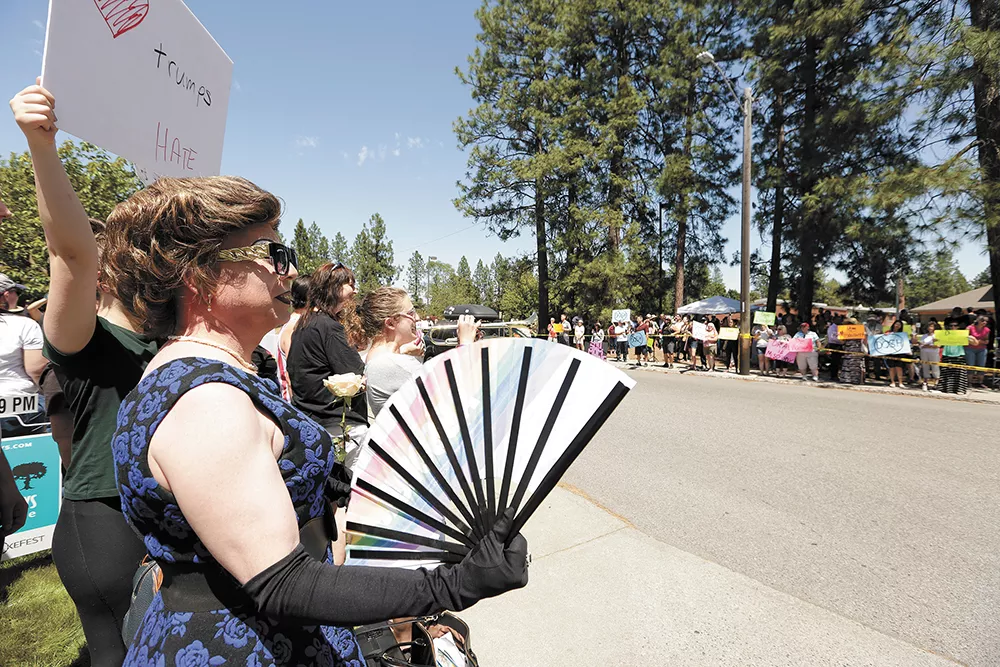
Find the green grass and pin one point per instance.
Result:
(39, 626)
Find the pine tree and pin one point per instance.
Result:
(465, 290)
(338, 249)
(415, 273)
(481, 284)
(838, 70)
(372, 256)
(959, 70)
(936, 276)
(509, 132)
(303, 248)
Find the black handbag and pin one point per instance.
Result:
(145, 584)
(381, 649)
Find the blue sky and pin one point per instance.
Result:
(343, 110)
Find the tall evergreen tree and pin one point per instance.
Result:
(372, 256)
(509, 132)
(481, 284)
(338, 249)
(416, 270)
(959, 69)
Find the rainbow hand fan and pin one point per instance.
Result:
(482, 428)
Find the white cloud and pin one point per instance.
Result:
(345, 155)
(363, 155)
(414, 142)
(236, 86)
(382, 148)
(39, 25)
(306, 142)
(395, 152)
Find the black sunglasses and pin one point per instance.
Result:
(283, 257)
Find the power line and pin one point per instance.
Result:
(464, 229)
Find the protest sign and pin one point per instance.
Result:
(34, 460)
(698, 330)
(778, 350)
(763, 317)
(951, 337)
(146, 82)
(558, 328)
(621, 315)
(851, 331)
(729, 333)
(637, 339)
(800, 345)
(18, 404)
(881, 345)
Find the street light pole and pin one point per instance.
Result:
(746, 106)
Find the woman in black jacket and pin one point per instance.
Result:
(326, 343)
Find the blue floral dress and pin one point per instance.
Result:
(169, 637)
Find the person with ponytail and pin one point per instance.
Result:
(397, 350)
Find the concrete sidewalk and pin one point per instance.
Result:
(986, 396)
(604, 593)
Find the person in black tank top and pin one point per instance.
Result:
(98, 358)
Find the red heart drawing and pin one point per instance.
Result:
(122, 15)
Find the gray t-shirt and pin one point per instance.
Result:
(386, 373)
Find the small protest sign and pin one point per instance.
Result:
(778, 350)
(699, 330)
(637, 339)
(800, 345)
(881, 345)
(729, 333)
(851, 331)
(951, 337)
(34, 461)
(144, 81)
(763, 317)
(621, 315)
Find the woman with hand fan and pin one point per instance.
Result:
(223, 479)
(397, 350)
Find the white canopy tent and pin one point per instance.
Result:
(715, 305)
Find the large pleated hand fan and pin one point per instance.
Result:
(482, 428)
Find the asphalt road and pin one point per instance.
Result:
(881, 509)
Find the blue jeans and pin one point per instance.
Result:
(975, 357)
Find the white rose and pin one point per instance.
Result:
(344, 385)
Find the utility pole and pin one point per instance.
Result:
(746, 106)
(745, 338)
(660, 244)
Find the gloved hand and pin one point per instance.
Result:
(490, 569)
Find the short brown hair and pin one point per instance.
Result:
(378, 306)
(170, 234)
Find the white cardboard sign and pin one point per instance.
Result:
(142, 79)
(621, 315)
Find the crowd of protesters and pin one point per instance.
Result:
(671, 340)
